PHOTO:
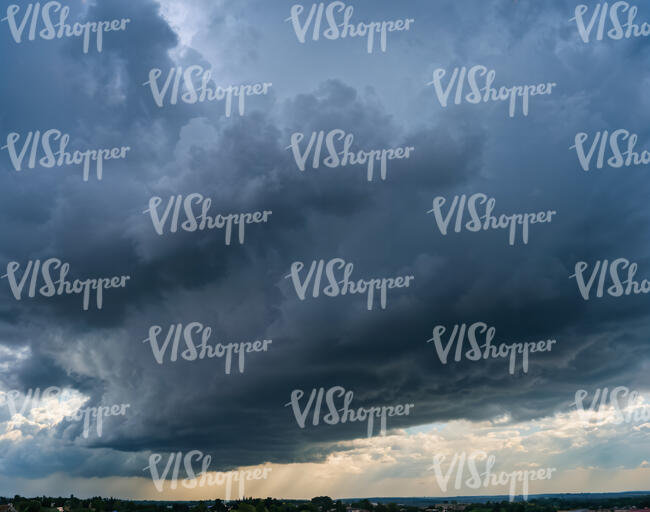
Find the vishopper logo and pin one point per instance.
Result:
(338, 17)
(202, 350)
(600, 14)
(618, 287)
(480, 330)
(59, 29)
(343, 286)
(479, 209)
(483, 94)
(195, 85)
(612, 141)
(338, 157)
(59, 158)
(200, 221)
(616, 407)
(97, 413)
(61, 286)
(347, 414)
(487, 478)
(33, 398)
(204, 478)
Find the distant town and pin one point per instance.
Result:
(623, 502)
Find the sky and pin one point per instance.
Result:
(244, 292)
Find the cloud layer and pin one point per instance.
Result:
(240, 291)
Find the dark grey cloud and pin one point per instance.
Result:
(382, 227)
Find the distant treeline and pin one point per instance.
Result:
(318, 504)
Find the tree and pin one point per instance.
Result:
(245, 507)
(219, 506)
(365, 505)
(324, 503)
(33, 506)
(97, 504)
